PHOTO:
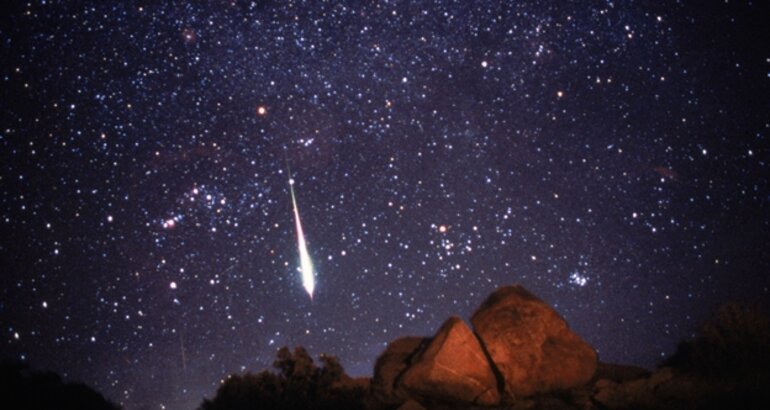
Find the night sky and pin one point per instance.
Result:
(611, 156)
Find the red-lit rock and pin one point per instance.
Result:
(531, 345)
(452, 368)
(390, 364)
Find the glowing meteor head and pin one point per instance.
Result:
(291, 181)
(306, 268)
(309, 289)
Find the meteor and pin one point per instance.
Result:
(305, 264)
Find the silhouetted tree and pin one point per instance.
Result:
(249, 391)
(299, 384)
(23, 389)
(331, 372)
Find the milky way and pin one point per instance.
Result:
(611, 156)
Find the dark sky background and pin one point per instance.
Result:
(611, 156)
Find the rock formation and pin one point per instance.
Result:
(521, 348)
(452, 368)
(523, 356)
(531, 345)
(389, 366)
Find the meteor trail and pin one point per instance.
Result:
(306, 265)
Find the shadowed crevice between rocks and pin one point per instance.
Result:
(498, 376)
(410, 360)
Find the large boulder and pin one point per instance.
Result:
(452, 368)
(389, 366)
(531, 345)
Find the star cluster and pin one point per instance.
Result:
(610, 156)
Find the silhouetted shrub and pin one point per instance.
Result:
(24, 389)
(299, 384)
(734, 343)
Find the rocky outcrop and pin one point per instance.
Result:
(531, 345)
(521, 351)
(389, 366)
(523, 356)
(452, 368)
